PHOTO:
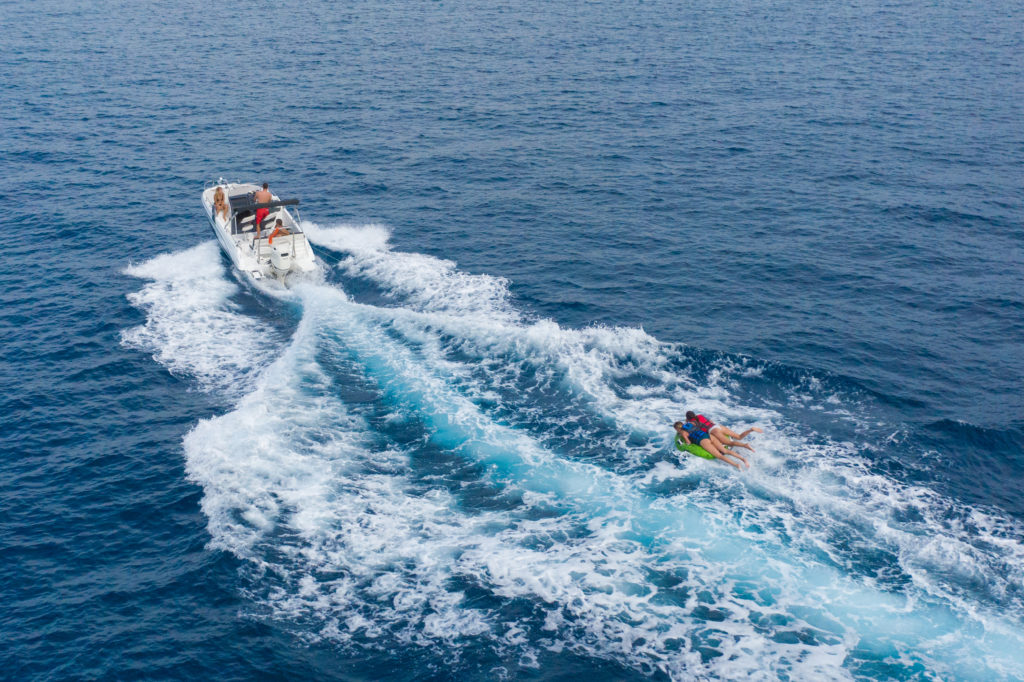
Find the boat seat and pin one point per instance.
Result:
(248, 223)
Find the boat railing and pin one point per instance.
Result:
(258, 243)
(219, 181)
(293, 229)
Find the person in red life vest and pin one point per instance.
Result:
(695, 435)
(722, 435)
(262, 196)
(279, 229)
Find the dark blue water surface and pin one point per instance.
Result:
(547, 230)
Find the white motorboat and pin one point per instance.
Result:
(265, 250)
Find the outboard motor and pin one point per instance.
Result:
(281, 255)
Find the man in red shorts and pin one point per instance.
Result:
(262, 196)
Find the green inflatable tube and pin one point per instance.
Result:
(692, 449)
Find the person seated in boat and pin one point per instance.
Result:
(721, 434)
(220, 204)
(692, 434)
(279, 229)
(262, 196)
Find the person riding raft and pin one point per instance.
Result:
(721, 434)
(692, 434)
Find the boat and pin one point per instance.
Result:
(256, 250)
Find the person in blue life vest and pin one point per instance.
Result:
(721, 434)
(691, 433)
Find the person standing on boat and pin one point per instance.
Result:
(262, 196)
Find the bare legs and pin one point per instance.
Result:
(727, 443)
(721, 452)
(718, 431)
(726, 431)
(728, 461)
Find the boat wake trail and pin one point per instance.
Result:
(445, 472)
(191, 325)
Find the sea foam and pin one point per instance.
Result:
(192, 327)
(690, 571)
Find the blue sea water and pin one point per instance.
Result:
(547, 230)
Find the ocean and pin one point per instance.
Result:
(546, 231)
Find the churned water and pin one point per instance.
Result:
(547, 230)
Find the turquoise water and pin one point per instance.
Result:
(546, 233)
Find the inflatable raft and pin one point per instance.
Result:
(692, 449)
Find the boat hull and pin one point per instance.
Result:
(266, 257)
